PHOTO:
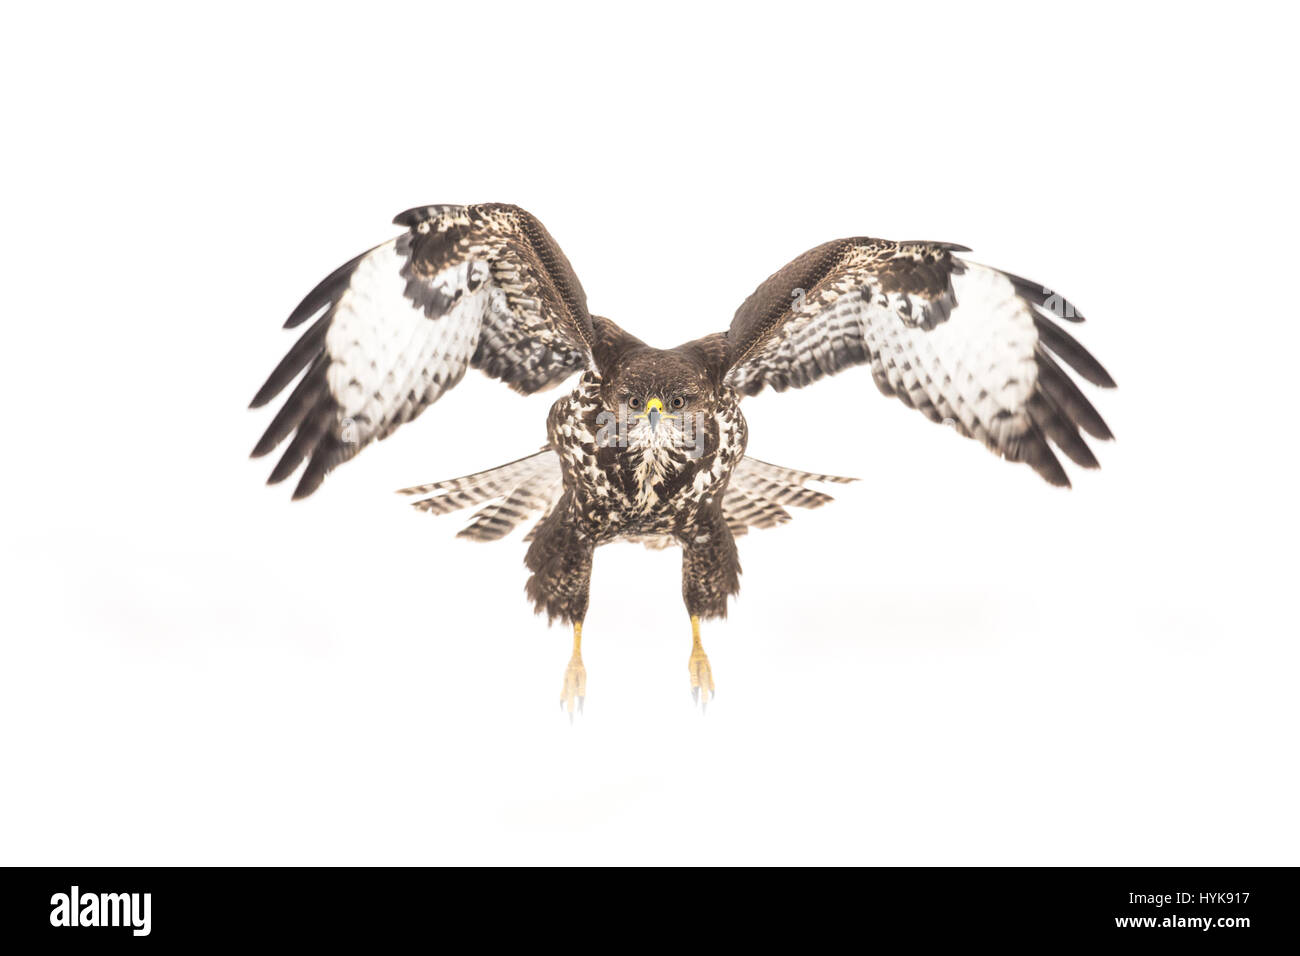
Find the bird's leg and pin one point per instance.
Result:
(702, 690)
(710, 575)
(574, 691)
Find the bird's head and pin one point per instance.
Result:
(661, 395)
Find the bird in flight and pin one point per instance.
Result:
(649, 445)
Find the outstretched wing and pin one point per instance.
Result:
(962, 343)
(483, 286)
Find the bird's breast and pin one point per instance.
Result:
(643, 480)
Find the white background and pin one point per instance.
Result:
(953, 663)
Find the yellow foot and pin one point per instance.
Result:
(702, 689)
(701, 678)
(574, 691)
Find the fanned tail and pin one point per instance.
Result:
(757, 496)
(759, 491)
(514, 492)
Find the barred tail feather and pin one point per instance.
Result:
(759, 492)
(512, 493)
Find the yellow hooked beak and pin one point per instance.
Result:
(654, 410)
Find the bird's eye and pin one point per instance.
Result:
(634, 403)
(678, 402)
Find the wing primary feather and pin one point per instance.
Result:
(329, 451)
(1034, 449)
(1062, 432)
(1040, 295)
(1075, 355)
(309, 345)
(326, 291)
(304, 443)
(300, 401)
(1058, 385)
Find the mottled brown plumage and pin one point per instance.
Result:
(650, 444)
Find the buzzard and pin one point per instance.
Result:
(650, 444)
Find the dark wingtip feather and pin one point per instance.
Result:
(1048, 465)
(322, 460)
(304, 443)
(1031, 447)
(1068, 397)
(285, 467)
(1054, 474)
(326, 291)
(300, 402)
(309, 346)
(307, 485)
(1075, 355)
(1055, 304)
(266, 444)
(330, 452)
(1054, 424)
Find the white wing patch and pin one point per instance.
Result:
(976, 369)
(398, 326)
(387, 360)
(960, 342)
